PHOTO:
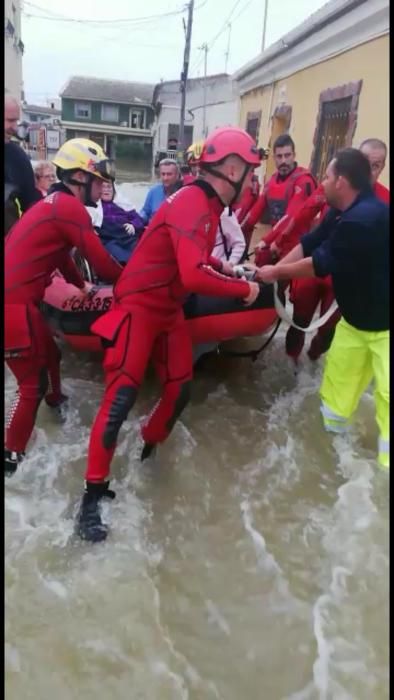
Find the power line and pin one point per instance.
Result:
(124, 20)
(50, 15)
(227, 22)
(214, 39)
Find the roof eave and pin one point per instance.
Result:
(293, 38)
(105, 99)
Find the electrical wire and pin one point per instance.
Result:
(214, 39)
(220, 32)
(106, 22)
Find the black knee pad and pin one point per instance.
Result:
(182, 400)
(122, 403)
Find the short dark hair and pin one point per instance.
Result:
(354, 166)
(374, 143)
(284, 140)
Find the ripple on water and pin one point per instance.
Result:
(249, 559)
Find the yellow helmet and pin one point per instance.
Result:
(193, 153)
(86, 155)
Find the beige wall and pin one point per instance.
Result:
(12, 54)
(369, 62)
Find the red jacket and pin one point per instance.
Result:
(248, 199)
(188, 178)
(173, 257)
(41, 241)
(382, 192)
(289, 229)
(280, 196)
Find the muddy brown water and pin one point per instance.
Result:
(249, 561)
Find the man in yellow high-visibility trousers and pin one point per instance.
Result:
(351, 244)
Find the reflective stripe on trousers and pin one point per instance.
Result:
(333, 423)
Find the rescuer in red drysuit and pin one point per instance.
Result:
(37, 245)
(172, 259)
(285, 192)
(248, 198)
(307, 293)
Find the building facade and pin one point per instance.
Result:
(13, 49)
(40, 114)
(210, 103)
(116, 114)
(326, 83)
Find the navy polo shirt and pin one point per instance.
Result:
(353, 246)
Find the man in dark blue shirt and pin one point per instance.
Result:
(19, 187)
(351, 244)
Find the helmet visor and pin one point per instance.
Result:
(104, 169)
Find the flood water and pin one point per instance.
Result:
(248, 561)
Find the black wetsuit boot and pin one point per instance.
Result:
(11, 461)
(89, 524)
(59, 407)
(148, 450)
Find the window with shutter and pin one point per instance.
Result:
(336, 124)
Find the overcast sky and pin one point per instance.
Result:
(148, 50)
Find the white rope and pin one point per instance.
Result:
(282, 313)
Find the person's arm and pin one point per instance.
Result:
(296, 264)
(295, 254)
(76, 228)
(70, 271)
(254, 214)
(286, 271)
(236, 240)
(135, 219)
(292, 226)
(311, 257)
(190, 242)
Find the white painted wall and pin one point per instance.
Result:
(12, 53)
(221, 107)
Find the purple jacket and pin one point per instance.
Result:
(115, 215)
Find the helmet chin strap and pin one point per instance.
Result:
(237, 186)
(88, 189)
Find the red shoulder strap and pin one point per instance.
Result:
(300, 172)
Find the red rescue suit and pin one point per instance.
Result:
(280, 196)
(307, 293)
(248, 198)
(38, 245)
(382, 192)
(171, 260)
(188, 178)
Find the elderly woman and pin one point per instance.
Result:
(44, 175)
(119, 228)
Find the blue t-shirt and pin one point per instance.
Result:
(353, 246)
(154, 199)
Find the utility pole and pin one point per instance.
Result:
(204, 48)
(186, 59)
(227, 54)
(264, 24)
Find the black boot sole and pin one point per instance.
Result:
(97, 535)
(147, 451)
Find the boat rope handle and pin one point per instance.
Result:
(283, 314)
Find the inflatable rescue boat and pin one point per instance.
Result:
(210, 319)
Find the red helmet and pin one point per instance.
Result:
(228, 141)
